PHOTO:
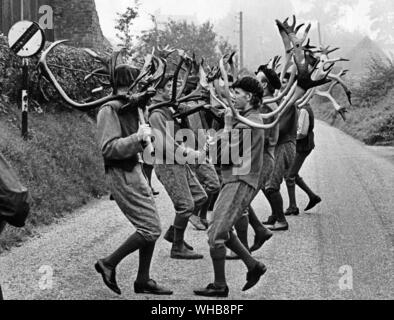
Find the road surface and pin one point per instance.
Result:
(343, 249)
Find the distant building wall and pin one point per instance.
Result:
(76, 20)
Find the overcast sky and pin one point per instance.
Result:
(205, 10)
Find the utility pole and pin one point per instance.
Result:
(320, 37)
(241, 40)
(154, 20)
(22, 11)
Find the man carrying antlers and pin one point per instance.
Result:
(121, 141)
(180, 182)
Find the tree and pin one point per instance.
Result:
(124, 26)
(330, 14)
(198, 39)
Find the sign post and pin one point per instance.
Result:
(25, 96)
(26, 39)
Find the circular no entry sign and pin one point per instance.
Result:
(26, 38)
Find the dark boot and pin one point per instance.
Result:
(179, 250)
(1, 294)
(169, 236)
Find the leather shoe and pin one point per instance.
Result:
(259, 240)
(109, 276)
(279, 226)
(313, 203)
(253, 276)
(169, 236)
(292, 212)
(151, 287)
(212, 291)
(270, 222)
(185, 254)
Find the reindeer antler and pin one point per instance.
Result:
(327, 93)
(47, 73)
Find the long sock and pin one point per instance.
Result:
(292, 195)
(301, 183)
(179, 236)
(213, 201)
(135, 242)
(146, 254)
(196, 210)
(277, 206)
(218, 256)
(267, 196)
(254, 221)
(205, 207)
(236, 246)
(241, 227)
(180, 225)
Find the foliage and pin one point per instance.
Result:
(199, 39)
(124, 26)
(60, 163)
(379, 81)
(371, 118)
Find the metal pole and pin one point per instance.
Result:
(25, 97)
(320, 38)
(22, 10)
(241, 40)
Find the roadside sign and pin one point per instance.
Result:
(26, 38)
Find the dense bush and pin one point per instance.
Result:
(377, 84)
(60, 163)
(371, 118)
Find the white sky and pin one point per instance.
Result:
(204, 10)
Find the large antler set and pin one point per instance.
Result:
(152, 72)
(309, 69)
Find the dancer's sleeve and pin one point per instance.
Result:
(113, 146)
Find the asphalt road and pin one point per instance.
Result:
(343, 249)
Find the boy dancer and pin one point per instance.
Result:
(181, 184)
(238, 190)
(305, 146)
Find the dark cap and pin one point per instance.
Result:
(165, 80)
(251, 85)
(125, 75)
(271, 76)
